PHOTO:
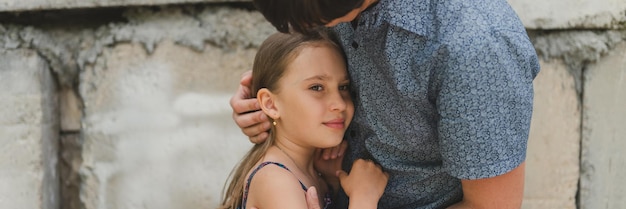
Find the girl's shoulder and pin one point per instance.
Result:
(273, 174)
(272, 169)
(272, 185)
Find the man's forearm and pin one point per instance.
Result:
(500, 192)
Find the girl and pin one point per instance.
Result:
(302, 85)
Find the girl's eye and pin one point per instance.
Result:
(344, 87)
(316, 88)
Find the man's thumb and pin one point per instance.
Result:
(246, 78)
(312, 202)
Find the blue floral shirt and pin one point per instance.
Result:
(443, 91)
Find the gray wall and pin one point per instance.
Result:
(127, 106)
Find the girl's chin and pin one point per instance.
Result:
(334, 143)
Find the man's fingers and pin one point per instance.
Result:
(318, 154)
(256, 129)
(246, 114)
(312, 202)
(335, 152)
(241, 101)
(259, 138)
(339, 150)
(241, 105)
(326, 153)
(246, 78)
(342, 148)
(248, 121)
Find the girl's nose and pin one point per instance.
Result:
(338, 102)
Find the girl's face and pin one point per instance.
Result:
(314, 102)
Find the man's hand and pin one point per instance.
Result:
(328, 162)
(253, 123)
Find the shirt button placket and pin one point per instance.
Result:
(355, 45)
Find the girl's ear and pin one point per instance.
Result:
(268, 104)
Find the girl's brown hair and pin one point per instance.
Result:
(270, 63)
(302, 15)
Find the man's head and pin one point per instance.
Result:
(303, 15)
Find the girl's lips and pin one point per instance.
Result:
(337, 123)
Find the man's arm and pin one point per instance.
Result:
(500, 192)
(486, 100)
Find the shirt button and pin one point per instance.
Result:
(355, 45)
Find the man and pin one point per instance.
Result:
(443, 95)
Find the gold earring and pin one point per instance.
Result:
(274, 123)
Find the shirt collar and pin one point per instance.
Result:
(412, 15)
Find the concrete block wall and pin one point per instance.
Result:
(604, 133)
(145, 120)
(157, 126)
(552, 170)
(571, 14)
(21, 5)
(573, 155)
(142, 116)
(28, 132)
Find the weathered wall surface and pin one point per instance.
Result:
(584, 54)
(157, 128)
(571, 14)
(144, 104)
(22, 5)
(573, 145)
(604, 136)
(145, 123)
(552, 170)
(28, 132)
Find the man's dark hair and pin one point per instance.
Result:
(303, 15)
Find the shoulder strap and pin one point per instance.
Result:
(245, 189)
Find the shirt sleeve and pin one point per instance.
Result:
(484, 103)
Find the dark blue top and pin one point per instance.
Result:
(443, 92)
(327, 200)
